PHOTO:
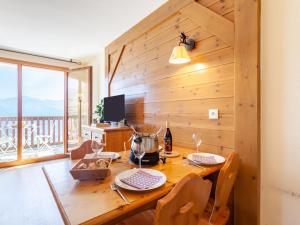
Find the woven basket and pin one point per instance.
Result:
(89, 174)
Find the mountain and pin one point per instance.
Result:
(32, 107)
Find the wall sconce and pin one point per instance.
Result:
(179, 54)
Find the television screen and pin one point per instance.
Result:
(114, 108)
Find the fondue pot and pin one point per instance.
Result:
(150, 144)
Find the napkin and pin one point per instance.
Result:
(210, 159)
(102, 155)
(141, 180)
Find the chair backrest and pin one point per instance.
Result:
(82, 150)
(185, 203)
(225, 182)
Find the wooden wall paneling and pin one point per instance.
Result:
(230, 16)
(209, 75)
(207, 148)
(207, 3)
(113, 60)
(170, 25)
(145, 76)
(162, 53)
(225, 122)
(192, 106)
(222, 7)
(114, 66)
(210, 90)
(197, 74)
(217, 137)
(160, 46)
(157, 91)
(157, 17)
(141, 46)
(247, 111)
(211, 21)
(107, 69)
(220, 138)
(161, 69)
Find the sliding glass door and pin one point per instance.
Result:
(34, 104)
(42, 112)
(8, 112)
(79, 103)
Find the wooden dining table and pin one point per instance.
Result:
(93, 202)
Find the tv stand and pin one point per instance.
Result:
(112, 137)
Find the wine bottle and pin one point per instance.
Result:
(168, 139)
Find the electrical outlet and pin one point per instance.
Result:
(213, 114)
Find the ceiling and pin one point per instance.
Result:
(68, 28)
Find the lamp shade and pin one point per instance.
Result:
(179, 55)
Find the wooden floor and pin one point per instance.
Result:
(25, 197)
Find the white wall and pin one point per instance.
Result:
(98, 64)
(280, 95)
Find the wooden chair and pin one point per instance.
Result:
(184, 205)
(79, 153)
(217, 212)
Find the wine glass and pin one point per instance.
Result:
(139, 153)
(125, 150)
(97, 147)
(197, 140)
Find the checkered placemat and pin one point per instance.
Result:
(204, 159)
(141, 180)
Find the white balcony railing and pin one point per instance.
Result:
(33, 128)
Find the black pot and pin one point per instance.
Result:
(148, 159)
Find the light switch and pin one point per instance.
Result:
(213, 114)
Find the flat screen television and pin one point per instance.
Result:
(114, 108)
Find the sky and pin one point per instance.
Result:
(36, 83)
(8, 81)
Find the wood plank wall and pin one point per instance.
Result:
(156, 91)
(247, 109)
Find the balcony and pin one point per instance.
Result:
(41, 136)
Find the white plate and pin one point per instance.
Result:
(219, 159)
(113, 155)
(128, 173)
